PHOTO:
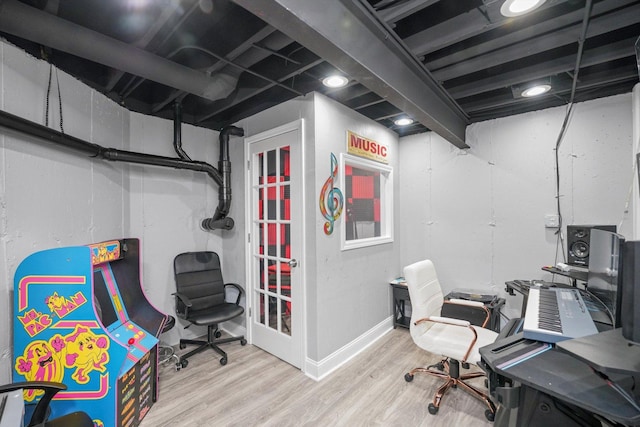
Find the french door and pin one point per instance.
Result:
(275, 242)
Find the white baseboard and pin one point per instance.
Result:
(319, 370)
(233, 329)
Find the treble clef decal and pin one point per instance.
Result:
(331, 200)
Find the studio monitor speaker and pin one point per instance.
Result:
(578, 237)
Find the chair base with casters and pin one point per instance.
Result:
(449, 370)
(165, 351)
(213, 335)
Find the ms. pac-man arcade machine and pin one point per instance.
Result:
(82, 318)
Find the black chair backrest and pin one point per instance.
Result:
(199, 278)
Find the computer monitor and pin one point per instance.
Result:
(604, 276)
(630, 306)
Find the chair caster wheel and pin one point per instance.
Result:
(489, 415)
(218, 334)
(433, 409)
(408, 377)
(465, 365)
(223, 361)
(182, 364)
(243, 342)
(182, 346)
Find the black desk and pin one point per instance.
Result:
(539, 384)
(594, 350)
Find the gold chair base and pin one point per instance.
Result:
(454, 381)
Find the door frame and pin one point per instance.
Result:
(296, 125)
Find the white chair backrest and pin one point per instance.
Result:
(425, 293)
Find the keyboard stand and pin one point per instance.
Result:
(533, 381)
(574, 274)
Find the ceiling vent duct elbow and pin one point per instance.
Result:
(220, 220)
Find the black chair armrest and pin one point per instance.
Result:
(239, 288)
(185, 302)
(50, 390)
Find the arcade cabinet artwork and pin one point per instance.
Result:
(82, 319)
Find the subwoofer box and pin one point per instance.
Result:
(578, 241)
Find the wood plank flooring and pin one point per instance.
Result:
(257, 389)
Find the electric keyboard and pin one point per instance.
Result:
(556, 314)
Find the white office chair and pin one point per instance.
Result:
(457, 340)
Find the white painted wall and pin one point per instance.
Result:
(480, 213)
(351, 287)
(51, 197)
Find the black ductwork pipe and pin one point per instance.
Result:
(40, 27)
(177, 131)
(219, 220)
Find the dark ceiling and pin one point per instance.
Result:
(445, 63)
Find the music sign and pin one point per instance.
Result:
(364, 147)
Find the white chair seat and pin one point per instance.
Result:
(451, 341)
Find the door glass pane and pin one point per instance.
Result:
(261, 194)
(260, 300)
(272, 200)
(262, 281)
(261, 238)
(285, 207)
(272, 239)
(286, 240)
(285, 279)
(271, 163)
(286, 318)
(273, 276)
(273, 312)
(284, 164)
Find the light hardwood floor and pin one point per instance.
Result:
(257, 389)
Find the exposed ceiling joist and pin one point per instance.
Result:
(346, 40)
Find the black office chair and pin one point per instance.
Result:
(41, 411)
(200, 299)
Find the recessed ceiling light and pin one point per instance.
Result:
(512, 8)
(536, 90)
(335, 81)
(404, 121)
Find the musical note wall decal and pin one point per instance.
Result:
(331, 200)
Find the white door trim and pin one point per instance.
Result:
(302, 303)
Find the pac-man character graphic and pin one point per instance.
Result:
(55, 302)
(86, 352)
(61, 306)
(41, 361)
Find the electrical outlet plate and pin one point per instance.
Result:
(551, 221)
